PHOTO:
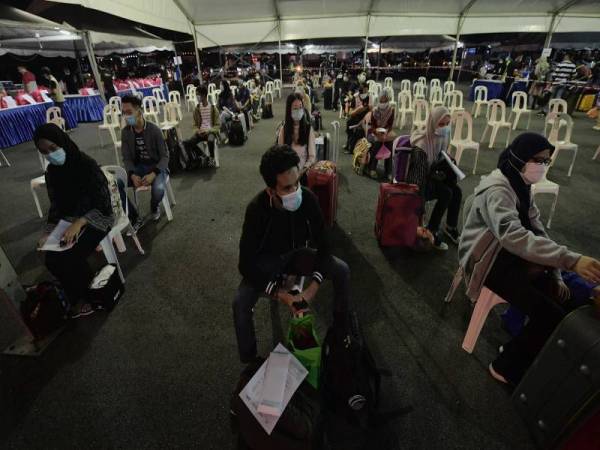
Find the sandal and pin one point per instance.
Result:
(82, 310)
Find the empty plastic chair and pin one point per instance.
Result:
(175, 97)
(420, 115)
(456, 101)
(150, 106)
(422, 80)
(388, 82)
(496, 120)
(436, 97)
(449, 86)
(159, 95)
(481, 99)
(269, 87)
(462, 138)
(54, 115)
(277, 88)
(419, 91)
(519, 106)
(557, 106)
(404, 108)
(109, 120)
(191, 100)
(435, 83)
(561, 144)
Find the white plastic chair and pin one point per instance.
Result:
(419, 91)
(188, 88)
(269, 87)
(496, 120)
(449, 86)
(175, 97)
(121, 224)
(277, 88)
(404, 108)
(115, 102)
(167, 200)
(388, 83)
(435, 83)
(564, 144)
(158, 94)
(116, 143)
(519, 106)
(483, 305)
(150, 105)
(191, 100)
(456, 101)
(420, 115)
(109, 120)
(436, 97)
(463, 140)
(545, 186)
(171, 119)
(422, 80)
(481, 99)
(37, 183)
(212, 87)
(405, 86)
(53, 115)
(557, 106)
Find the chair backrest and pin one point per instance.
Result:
(158, 94)
(191, 92)
(557, 122)
(59, 122)
(449, 86)
(421, 110)
(388, 82)
(436, 95)
(277, 83)
(188, 88)
(435, 82)
(519, 100)
(171, 116)
(462, 120)
(212, 87)
(233, 89)
(108, 117)
(422, 80)
(150, 105)
(497, 108)
(405, 85)
(115, 100)
(481, 93)
(52, 113)
(405, 101)
(120, 175)
(456, 100)
(558, 105)
(175, 97)
(419, 90)
(377, 88)
(269, 85)
(212, 99)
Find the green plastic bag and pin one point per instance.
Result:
(304, 344)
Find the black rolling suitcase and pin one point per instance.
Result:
(328, 98)
(560, 393)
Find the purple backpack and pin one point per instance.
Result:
(402, 150)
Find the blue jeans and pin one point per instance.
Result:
(158, 186)
(556, 93)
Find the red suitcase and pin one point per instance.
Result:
(398, 215)
(323, 181)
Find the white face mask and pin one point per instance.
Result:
(297, 114)
(533, 172)
(291, 202)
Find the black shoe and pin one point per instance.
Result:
(438, 244)
(452, 234)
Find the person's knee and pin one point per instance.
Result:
(244, 301)
(339, 269)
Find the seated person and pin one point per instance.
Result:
(279, 223)
(206, 122)
(145, 154)
(227, 107)
(256, 99)
(382, 117)
(354, 125)
(298, 134)
(78, 193)
(242, 103)
(504, 247)
(436, 184)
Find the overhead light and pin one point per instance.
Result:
(56, 28)
(64, 32)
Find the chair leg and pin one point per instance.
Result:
(136, 240)
(459, 151)
(508, 136)
(217, 160)
(167, 206)
(517, 118)
(485, 130)
(493, 136)
(476, 159)
(170, 193)
(455, 282)
(572, 162)
(552, 209)
(119, 243)
(37, 202)
(486, 301)
(4, 158)
(597, 153)
(111, 255)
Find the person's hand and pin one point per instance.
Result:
(562, 291)
(70, 235)
(588, 268)
(137, 181)
(286, 298)
(148, 179)
(42, 240)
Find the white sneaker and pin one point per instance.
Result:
(156, 215)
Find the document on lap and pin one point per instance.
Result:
(52, 244)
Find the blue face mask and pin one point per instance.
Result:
(291, 202)
(130, 120)
(443, 131)
(57, 157)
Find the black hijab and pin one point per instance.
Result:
(69, 181)
(511, 162)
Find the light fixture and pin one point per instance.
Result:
(64, 32)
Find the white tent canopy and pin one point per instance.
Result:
(233, 22)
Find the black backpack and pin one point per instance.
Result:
(178, 158)
(45, 309)
(197, 158)
(236, 133)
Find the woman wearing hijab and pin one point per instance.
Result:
(435, 184)
(298, 134)
(504, 247)
(227, 107)
(380, 133)
(79, 194)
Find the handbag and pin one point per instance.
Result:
(106, 288)
(383, 152)
(441, 171)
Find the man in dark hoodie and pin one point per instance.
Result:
(283, 234)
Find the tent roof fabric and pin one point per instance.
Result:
(234, 22)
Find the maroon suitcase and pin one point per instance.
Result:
(398, 214)
(323, 182)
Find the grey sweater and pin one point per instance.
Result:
(492, 223)
(155, 144)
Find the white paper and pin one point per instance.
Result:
(52, 244)
(276, 374)
(251, 394)
(459, 173)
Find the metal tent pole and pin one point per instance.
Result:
(87, 41)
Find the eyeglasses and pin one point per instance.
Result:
(544, 161)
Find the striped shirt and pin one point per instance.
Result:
(563, 72)
(205, 111)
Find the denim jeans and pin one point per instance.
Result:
(247, 295)
(158, 185)
(556, 93)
